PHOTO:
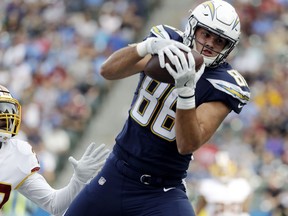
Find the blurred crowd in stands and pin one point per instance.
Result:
(51, 51)
(257, 139)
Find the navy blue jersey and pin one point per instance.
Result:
(148, 139)
(143, 175)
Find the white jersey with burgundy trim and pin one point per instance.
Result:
(17, 162)
(225, 198)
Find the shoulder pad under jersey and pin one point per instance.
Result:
(27, 159)
(166, 32)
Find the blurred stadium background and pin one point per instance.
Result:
(50, 54)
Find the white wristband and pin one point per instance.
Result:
(186, 98)
(186, 103)
(141, 49)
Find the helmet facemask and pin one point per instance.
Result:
(10, 116)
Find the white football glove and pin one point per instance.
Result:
(153, 45)
(90, 163)
(184, 75)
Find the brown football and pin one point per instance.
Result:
(154, 70)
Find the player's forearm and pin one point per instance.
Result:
(53, 201)
(194, 127)
(123, 63)
(188, 132)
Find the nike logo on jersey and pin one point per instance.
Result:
(240, 105)
(168, 189)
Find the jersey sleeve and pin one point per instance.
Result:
(236, 97)
(51, 200)
(27, 162)
(166, 32)
(224, 84)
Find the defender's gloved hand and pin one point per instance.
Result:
(184, 75)
(153, 45)
(90, 163)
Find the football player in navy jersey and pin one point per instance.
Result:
(144, 175)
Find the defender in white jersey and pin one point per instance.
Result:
(225, 193)
(19, 164)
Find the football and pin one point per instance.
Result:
(153, 69)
